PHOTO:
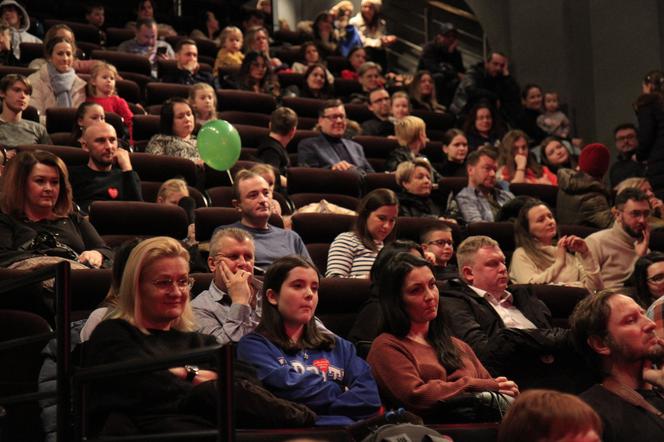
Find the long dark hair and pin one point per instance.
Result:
(272, 323)
(326, 90)
(77, 130)
(639, 278)
(374, 200)
(397, 322)
(524, 239)
(507, 154)
(266, 84)
(497, 129)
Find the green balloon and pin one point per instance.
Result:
(219, 144)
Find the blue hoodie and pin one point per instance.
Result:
(337, 384)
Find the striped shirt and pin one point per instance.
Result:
(349, 258)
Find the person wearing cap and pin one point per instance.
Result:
(442, 58)
(18, 19)
(582, 197)
(619, 247)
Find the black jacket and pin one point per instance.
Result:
(650, 114)
(472, 319)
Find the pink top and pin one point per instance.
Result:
(119, 106)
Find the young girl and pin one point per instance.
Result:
(101, 90)
(230, 55)
(203, 100)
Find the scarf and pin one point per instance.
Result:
(62, 83)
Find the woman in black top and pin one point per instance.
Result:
(38, 217)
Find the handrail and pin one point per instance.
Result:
(453, 10)
(223, 355)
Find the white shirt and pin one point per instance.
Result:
(511, 316)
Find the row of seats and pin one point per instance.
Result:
(118, 221)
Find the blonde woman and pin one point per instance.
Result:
(152, 318)
(411, 134)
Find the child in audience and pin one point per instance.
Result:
(203, 100)
(101, 90)
(400, 105)
(230, 55)
(553, 121)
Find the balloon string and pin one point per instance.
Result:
(230, 177)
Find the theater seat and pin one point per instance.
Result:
(124, 61)
(145, 126)
(304, 107)
(62, 119)
(339, 300)
(129, 90)
(376, 147)
(561, 301)
(30, 51)
(358, 112)
(373, 181)
(221, 196)
(150, 190)
(72, 156)
(318, 253)
(411, 227)
(163, 167)
(290, 79)
(346, 201)
(575, 229)
(166, 67)
(215, 178)
(321, 227)
(117, 221)
(246, 101)
(543, 192)
(251, 136)
(209, 218)
(311, 180)
(158, 92)
(246, 118)
(343, 87)
(5, 70)
(115, 36)
(502, 232)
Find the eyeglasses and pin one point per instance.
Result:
(638, 213)
(182, 283)
(626, 138)
(441, 242)
(335, 117)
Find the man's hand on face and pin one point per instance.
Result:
(237, 284)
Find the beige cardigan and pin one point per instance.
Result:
(43, 96)
(573, 270)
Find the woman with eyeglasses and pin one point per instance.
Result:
(151, 318)
(541, 259)
(255, 75)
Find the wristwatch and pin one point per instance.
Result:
(192, 372)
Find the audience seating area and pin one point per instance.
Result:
(27, 313)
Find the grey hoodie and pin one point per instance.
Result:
(20, 35)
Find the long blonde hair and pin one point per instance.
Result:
(144, 254)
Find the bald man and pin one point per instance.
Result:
(108, 175)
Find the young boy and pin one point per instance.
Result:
(553, 121)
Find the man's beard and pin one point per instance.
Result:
(633, 233)
(623, 353)
(102, 164)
